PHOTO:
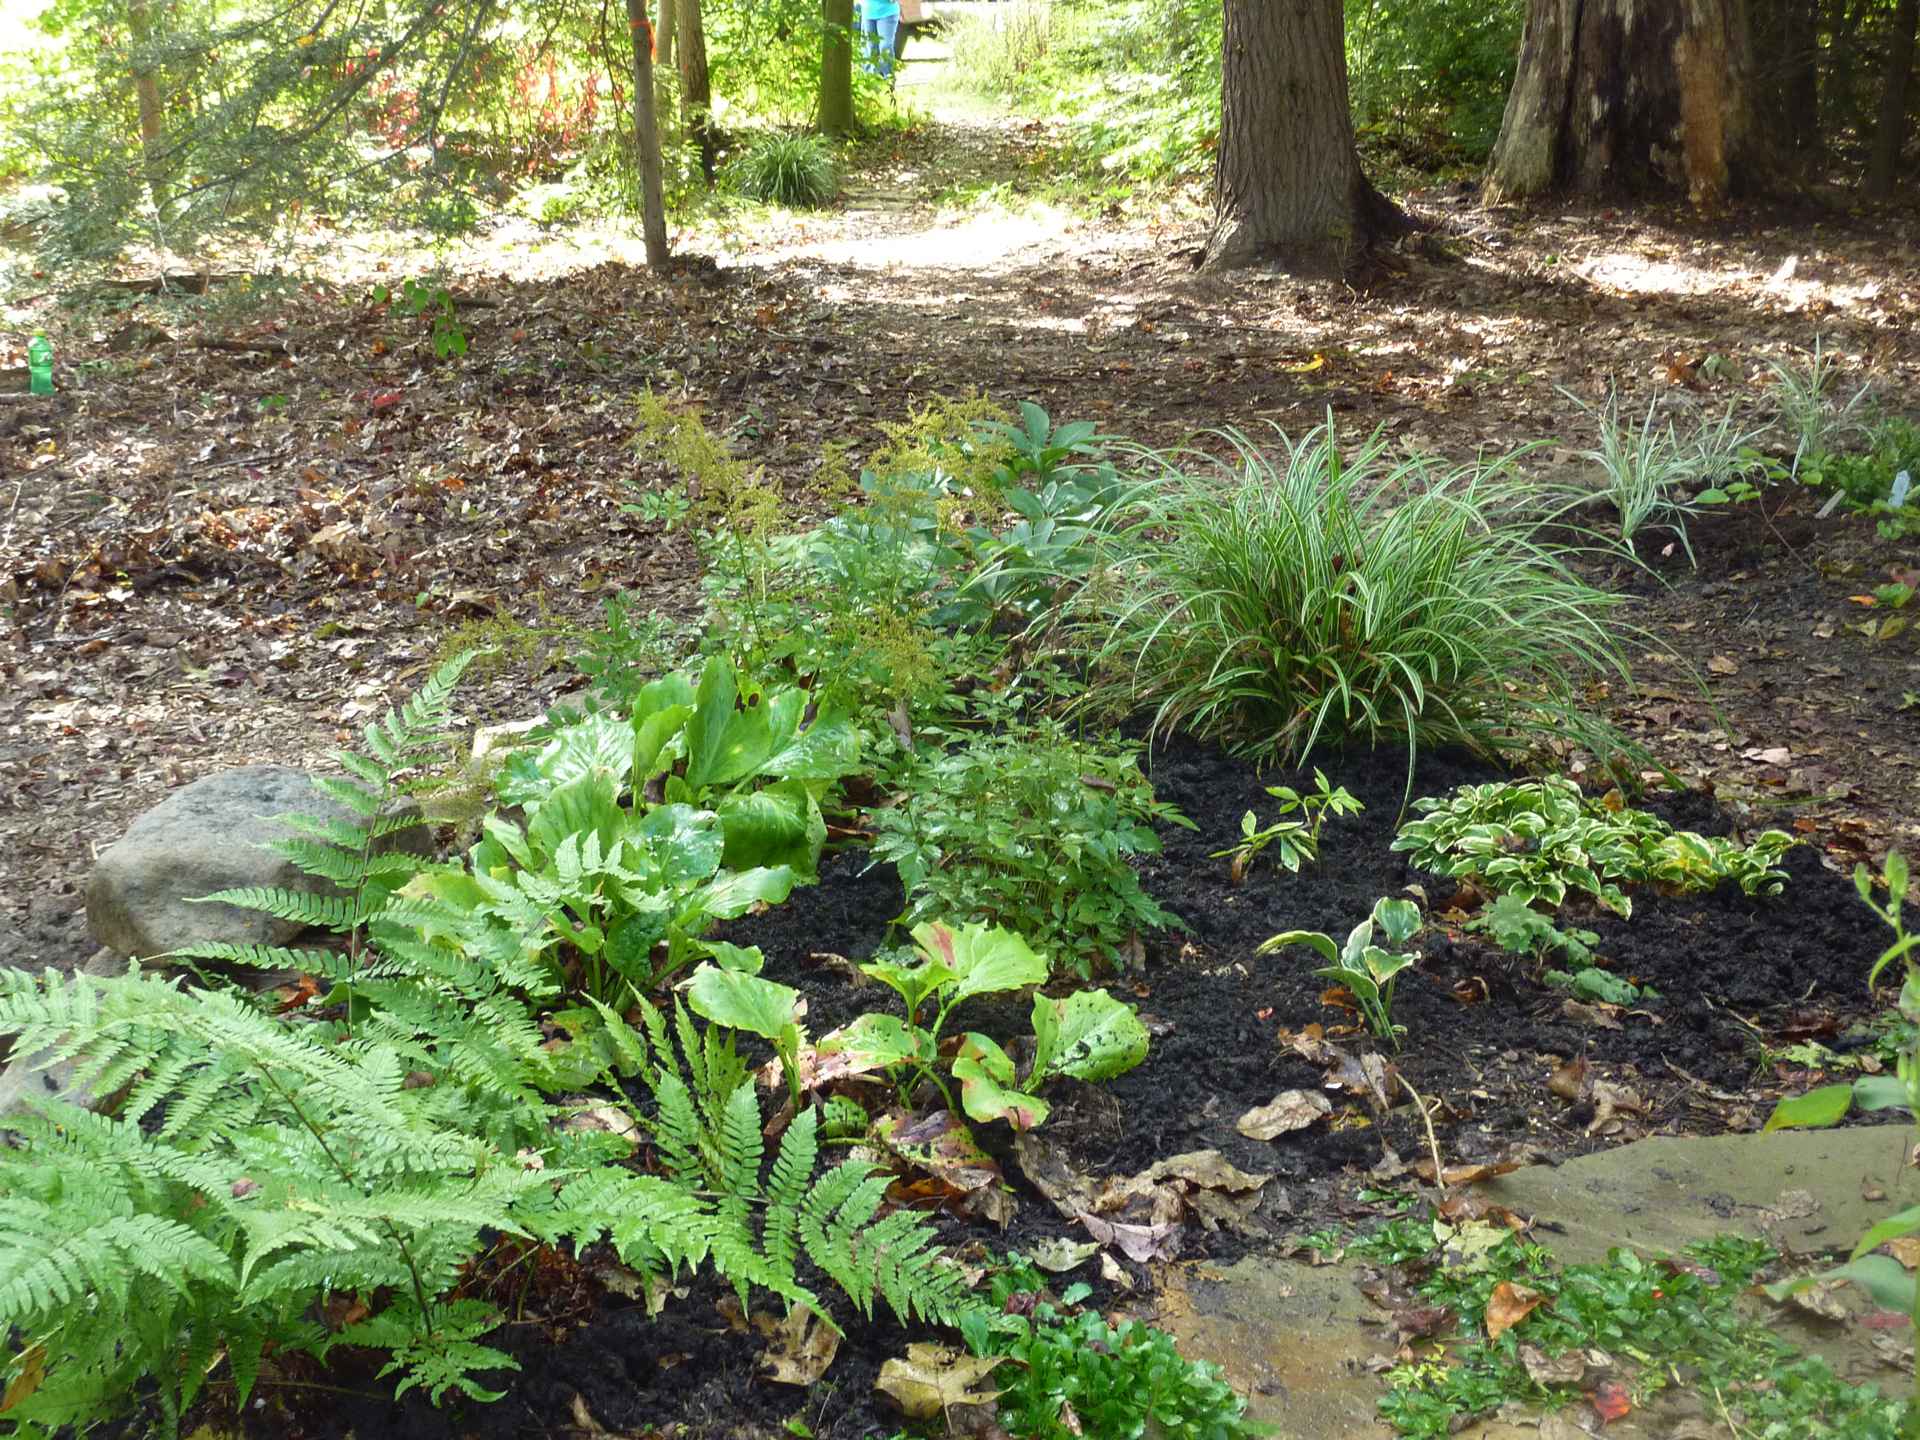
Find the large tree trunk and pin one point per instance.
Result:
(836, 68)
(696, 88)
(1629, 97)
(646, 136)
(1287, 181)
(1890, 136)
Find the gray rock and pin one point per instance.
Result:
(210, 835)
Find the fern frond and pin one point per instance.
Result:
(786, 1190)
(328, 964)
(338, 913)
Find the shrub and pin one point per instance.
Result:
(1031, 832)
(1278, 604)
(792, 170)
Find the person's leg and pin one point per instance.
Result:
(888, 31)
(870, 44)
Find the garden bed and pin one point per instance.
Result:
(1484, 1038)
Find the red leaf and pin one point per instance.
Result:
(1611, 1401)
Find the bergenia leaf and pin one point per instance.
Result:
(984, 959)
(743, 1002)
(1089, 1035)
(986, 1086)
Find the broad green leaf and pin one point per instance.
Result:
(825, 750)
(986, 1086)
(630, 942)
(686, 843)
(780, 825)
(1815, 1110)
(1399, 920)
(592, 743)
(725, 742)
(649, 737)
(1322, 943)
(1383, 965)
(1089, 1035)
(732, 896)
(1891, 1228)
(984, 959)
(581, 807)
(743, 1002)
(878, 1041)
(1888, 1281)
(1881, 1092)
(747, 959)
(912, 983)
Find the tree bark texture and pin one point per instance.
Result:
(646, 136)
(1630, 97)
(696, 87)
(1287, 179)
(1890, 135)
(146, 94)
(836, 67)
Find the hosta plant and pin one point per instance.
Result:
(1087, 1035)
(760, 758)
(1369, 971)
(1538, 840)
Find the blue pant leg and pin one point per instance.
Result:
(889, 29)
(870, 45)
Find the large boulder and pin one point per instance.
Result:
(210, 835)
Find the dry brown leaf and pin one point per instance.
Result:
(1567, 1369)
(1508, 1305)
(1139, 1243)
(1905, 1249)
(932, 1379)
(803, 1347)
(1569, 1081)
(1288, 1111)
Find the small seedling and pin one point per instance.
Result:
(1292, 841)
(1369, 971)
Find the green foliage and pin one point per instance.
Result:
(1035, 832)
(792, 170)
(1651, 473)
(1539, 839)
(1430, 77)
(1088, 1035)
(256, 1165)
(1128, 1380)
(1878, 479)
(358, 856)
(1679, 1320)
(1292, 841)
(1369, 971)
(417, 298)
(1519, 929)
(1591, 983)
(1277, 605)
(1811, 415)
(707, 1132)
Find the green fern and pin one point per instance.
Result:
(707, 1134)
(355, 856)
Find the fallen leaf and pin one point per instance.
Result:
(1060, 1255)
(1905, 1249)
(932, 1379)
(1139, 1243)
(1569, 1081)
(1772, 755)
(1723, 665)
(1611, 1401)
(1113, 1273)
(1420, 1322)
(1288, 1111)
(803, 1347)
(1508, 1305)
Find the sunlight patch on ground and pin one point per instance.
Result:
(976, 242)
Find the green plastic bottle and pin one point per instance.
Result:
(40, 364)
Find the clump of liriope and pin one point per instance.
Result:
(1280, 602)
(792, 170)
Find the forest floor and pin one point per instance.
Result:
(249, 521)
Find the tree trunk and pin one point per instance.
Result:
(696, 88)
(1629, 97)
(836, 68)
(146, 94)
(663, 36)
(1287, 182)
(1890, 136)
(646, 136)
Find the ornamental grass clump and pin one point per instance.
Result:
(1285, 601)
(792, 170)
